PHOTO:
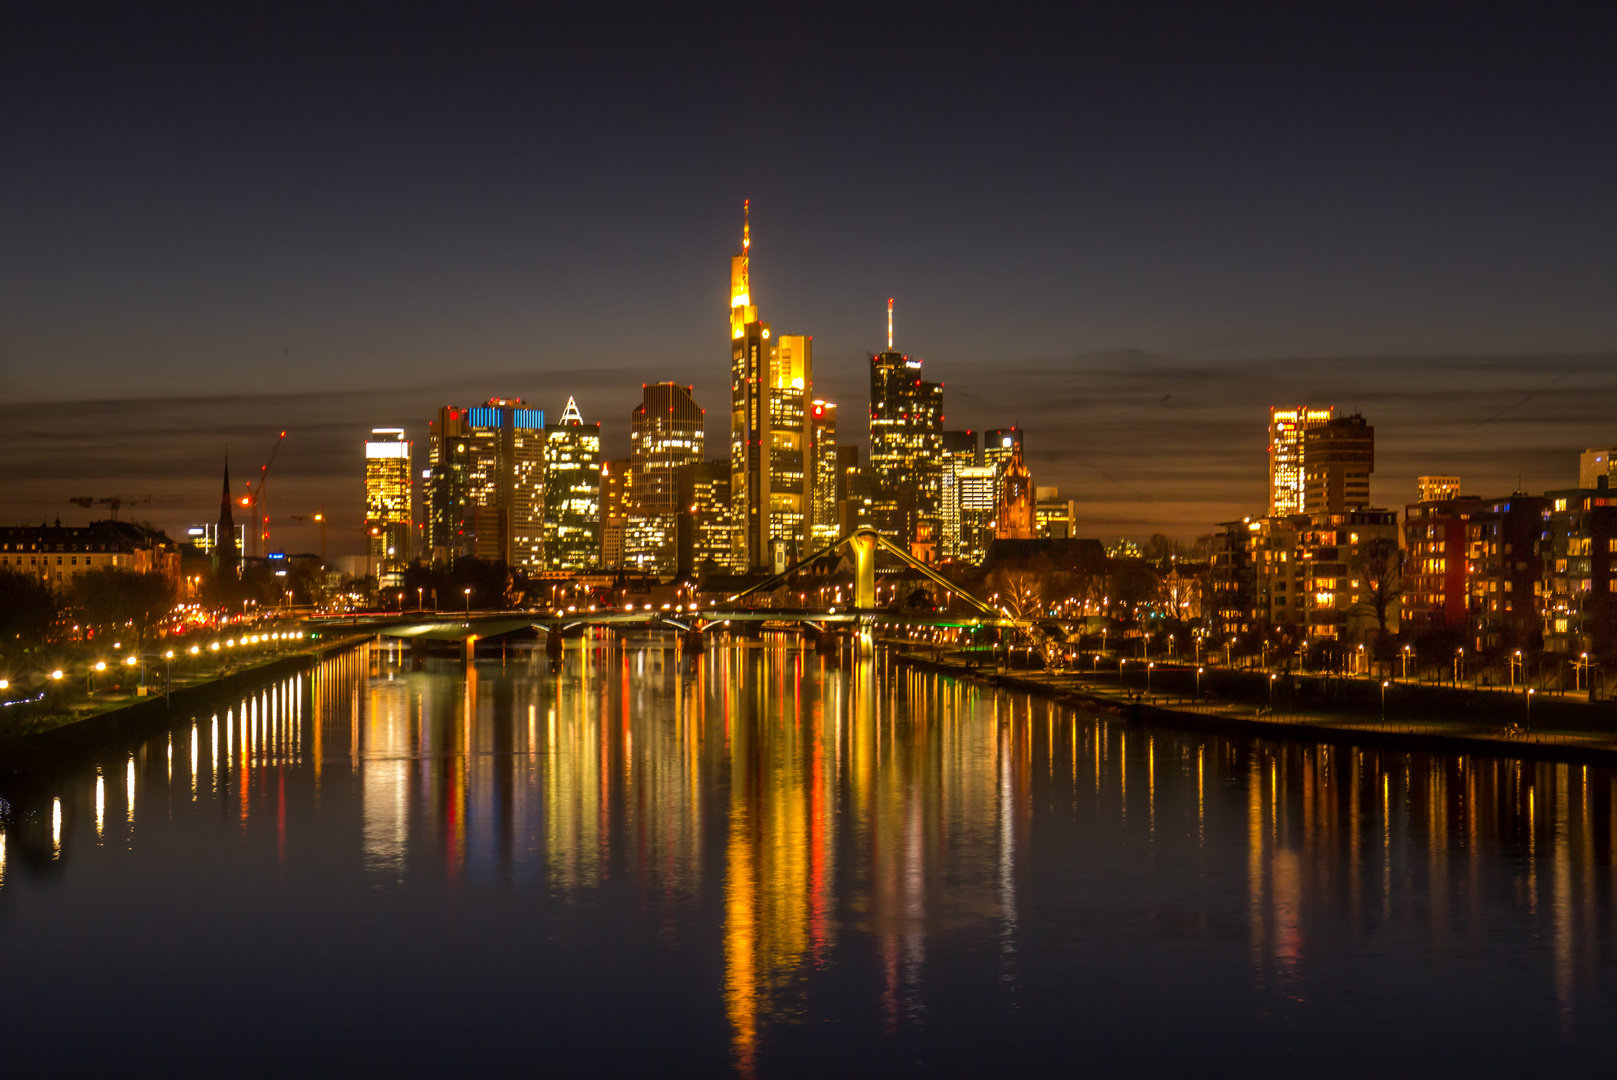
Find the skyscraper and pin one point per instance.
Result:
(906, 446)
(959, 452)
(1435, 488)
(999, 446)
(614, 511)
(978, 487)
(1338, 457)
(1287, 477)
(666, 432)
(485, 483)
(823, 523)
(709, 524)
(387, 504)
(572, 518)
(771, 382)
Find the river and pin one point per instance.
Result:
(765, 862)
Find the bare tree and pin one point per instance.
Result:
(1381, 568)
(1020, 592)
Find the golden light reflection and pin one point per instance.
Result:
(843, 814)
(100, 803)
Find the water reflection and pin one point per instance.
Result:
(795, 819)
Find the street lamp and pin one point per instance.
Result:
(419, 590)
(1515, 662)
(1459, 658)
(1406, 661)
(1272, 693)
(1148, 669)
(468, 593)
(1198, 684)
(1384, 684)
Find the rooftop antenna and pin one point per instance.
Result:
(889, 324)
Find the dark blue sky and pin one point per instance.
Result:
(337, 219)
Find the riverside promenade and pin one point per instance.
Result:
(1384, 712)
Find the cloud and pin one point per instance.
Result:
(1143, 442)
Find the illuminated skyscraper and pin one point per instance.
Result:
(823, 526)
(771, 382)
(978, 487)
(708, 522)
(485, 483)
(387, 503)
(1287, 478)
(959, 452)
(666, 432)
(1438, 488)
(1055, 516)
(906, 447)
(614, 511)
(572, 521)
(1338, 457)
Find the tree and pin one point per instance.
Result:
(28, 611)
(1381, 568)
(111, 600)
(1021, 592)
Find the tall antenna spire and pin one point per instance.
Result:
(746, 224)
(889, 324)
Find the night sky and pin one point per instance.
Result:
(1128, 230)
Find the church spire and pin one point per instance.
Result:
(225, 555)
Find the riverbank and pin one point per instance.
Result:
(1437, 720)
(26, 751)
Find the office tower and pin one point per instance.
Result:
(388, 520)
(614, 511)
(999, 446)
(824, 524)
(771, 383)
(1338, 457)
(1437, 488)
(1287, 426)
(855, 492)
(485, 483)
(959, 452)
(666, 432)
(978, 487)
(906, 447)
(572, 518)
(1054, 516)
(707, 535)
(1597, 462)
(1014, 519)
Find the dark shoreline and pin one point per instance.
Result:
(1310, 731)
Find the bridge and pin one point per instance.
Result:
(693, 622)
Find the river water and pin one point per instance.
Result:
(764, 862)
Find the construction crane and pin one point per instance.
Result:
(116, 502)
(255, 501)
(321, 518)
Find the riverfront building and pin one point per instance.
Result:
(56, 554)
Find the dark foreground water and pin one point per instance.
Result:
(756, 861)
